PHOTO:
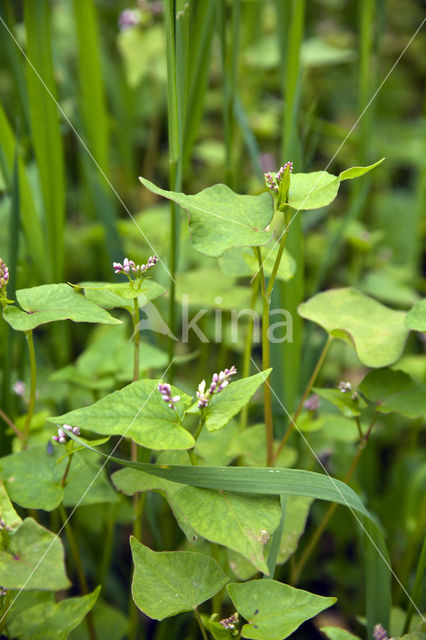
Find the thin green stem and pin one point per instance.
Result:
(136, 339)
(287, 221)
(266, 363)
(417, 588)
(108, 543)
(33, 383)
(200, 624)
(304, 396)
(358, 424)
(248, 347)
(5, 609)
(78, 565)
(11, 424)
(299, 566)
(198, 430)
(67, 469)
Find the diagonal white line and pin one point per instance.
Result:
(81, 498)
(84, 145)
(343, 497)
(344, 141)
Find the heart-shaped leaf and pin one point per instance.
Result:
(137, 411)
(225, 405)
(242, 262)
(50, 303)
(208, 288)
(377, 332)
(349, 406)
(274, 610)
(51, 620)
(168, 582)
(319, 188)
(242, 523)
(416, 318)
(296, 515)
(34, 559)
(395, 391)
(221, 219)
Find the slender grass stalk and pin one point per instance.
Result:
(299, 566)
(286, 357)
(79, 567)
(33, 383)
(266, 362)
(136, 339)
(245, 369)
(417, 588)
(304, 396)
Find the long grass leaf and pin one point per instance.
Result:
(45, 131)
(377, 578)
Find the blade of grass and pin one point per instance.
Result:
(417, 588)
(377, 578)
(31, 224)
(45, 133)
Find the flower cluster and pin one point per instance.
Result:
(4, 274)
(219, 382)
(19, 387)
(129, 18)
(166, 391)
(61, 437)
(312, 403)
(229, 623)
(273, 179)
(379, 633)
(138, 17)
(345, 387)
(129, 269)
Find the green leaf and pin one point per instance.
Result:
(343, 401)
(51, 620)
(242, 523)
(121, 294)
(336, 633)
(251, 446)
(413, 635)
(319, 188)
(169, 582)
(251, 480)
(225, 405)
(273, 609)
(50, 303)
(395, 391)
(296, 515)
(109, 622)
(416, 318)
(242, 262)
(221, 219)
(377, 332)
(34, 559)
(137, 411)
(7, 512)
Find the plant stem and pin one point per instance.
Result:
(79, 567)
(33, 383)
(67, 468)
(108, 543)
(417, 588)
(305, 395)
(11, 424)
(266, 363)
(136, 338)
(283, 239)
(200, 624)
(298, 568)
(247, 349)
(196, 436)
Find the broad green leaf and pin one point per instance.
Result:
(214, 446)
(34, 559)
(121, 294)
(51, 620)
(225, 405)
(336, 633)
(168, 582)
(50, 303)
(416, 318)
(395, 391)
(221, 219)
(274, 610)
(242, 523)
(251, 480)
(343, 401)
(7, 513)
(413, 635)
(377, 333)
(319, 188)
(130, 481)
(109, 622)
(242, 262)
(208, 288)
(296, 515)
(33, 479)
(138, 412)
